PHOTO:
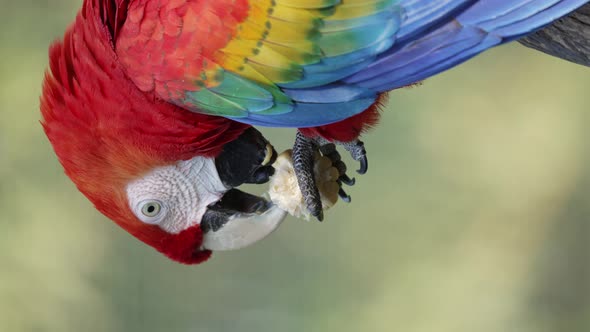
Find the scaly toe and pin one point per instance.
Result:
(303, 164)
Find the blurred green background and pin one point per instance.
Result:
(474, 217)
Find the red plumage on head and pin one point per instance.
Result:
(106, 132)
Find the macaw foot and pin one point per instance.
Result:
(303, 163)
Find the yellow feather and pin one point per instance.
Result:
(240, 47)
(236, 64)
(354, 9)
(270, 57)
(295, 15)
(303, 52)
(280, 36)
(282, 31)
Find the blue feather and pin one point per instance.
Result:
(422, 15)
(307, 115)
(364, 38)
(481, 26)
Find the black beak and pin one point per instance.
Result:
(234, 202)
(247, 159)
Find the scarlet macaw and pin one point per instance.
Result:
(149, 104)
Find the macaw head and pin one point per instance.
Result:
(164, 174)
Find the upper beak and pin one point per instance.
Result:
(239, 219)
(247, 159)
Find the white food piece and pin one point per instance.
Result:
(284, 189)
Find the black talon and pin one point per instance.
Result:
(357, 152)
(364, 165)
(320, 216)
(346, 180)
(344, 196)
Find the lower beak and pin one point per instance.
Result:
(244, 230)
(238, 220)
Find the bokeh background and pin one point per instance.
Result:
(474, 217)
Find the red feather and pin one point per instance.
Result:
(106, 132)
(113, 14)
(166, 46)
(349, 129)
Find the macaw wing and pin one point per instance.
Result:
(304, 63)
(484, 25)
(236, 58)
(432, 37)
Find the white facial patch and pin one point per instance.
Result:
(176, 197)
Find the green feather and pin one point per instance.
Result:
(237, 97)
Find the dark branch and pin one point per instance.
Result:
(567, 38)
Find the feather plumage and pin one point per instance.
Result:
(298, 63)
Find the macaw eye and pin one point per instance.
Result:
(150, 210)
